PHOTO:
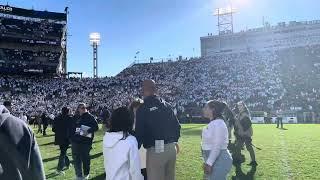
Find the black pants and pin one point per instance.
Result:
(240, 141)
(81, 158)
(63, 159)
(45, 126)
(39, 129)
(144, 173)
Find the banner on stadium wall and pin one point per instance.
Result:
(5, 9)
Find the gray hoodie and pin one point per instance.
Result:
(22, 139)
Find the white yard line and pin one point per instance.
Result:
(284, 157)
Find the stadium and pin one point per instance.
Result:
(274, 69)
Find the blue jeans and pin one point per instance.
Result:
(221, 166)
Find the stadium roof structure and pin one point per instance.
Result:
(6, 9)
(225, 19)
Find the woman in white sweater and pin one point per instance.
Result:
(217, 159)
(120, 148)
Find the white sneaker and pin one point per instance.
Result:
(87, 177)
(60, 172)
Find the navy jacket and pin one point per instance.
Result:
(86, 119)
(155, 120)
(22, 140)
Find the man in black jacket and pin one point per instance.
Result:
(83, 134)
(158, 129)
(61, 127)
(19, 152)
(45, 123)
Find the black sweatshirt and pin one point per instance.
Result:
(155, 120)
(85, 119)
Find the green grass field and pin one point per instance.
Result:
(286, 154)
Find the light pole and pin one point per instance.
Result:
(95, 42)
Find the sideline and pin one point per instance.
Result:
(284, 158)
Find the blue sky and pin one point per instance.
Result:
(156, 28)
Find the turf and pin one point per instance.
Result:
(286, 154)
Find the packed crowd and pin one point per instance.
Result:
(265, 80)
(29, 56)
(301, 72)
(141, 141)
(31, 29)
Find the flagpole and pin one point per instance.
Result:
(138, 56)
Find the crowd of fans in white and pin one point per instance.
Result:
(262, 79)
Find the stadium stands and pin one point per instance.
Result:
(31, 42)
(267, 81)
(31, 29)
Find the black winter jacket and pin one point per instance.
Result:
(155, 120)
(86, 119)
(62, 126)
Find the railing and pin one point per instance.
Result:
(160, 60)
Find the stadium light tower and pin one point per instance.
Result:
(95, 42)
(225, 19)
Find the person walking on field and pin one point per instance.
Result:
(279, 121)
(82, 137)
(215, 139)
(61, 127)
(39, 124)
(45, 123)
(158, 130)
(244, 133)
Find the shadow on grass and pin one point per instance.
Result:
(51, 175)
(95, 142)
(50, 159)
(283, 129)
(100, 177)
(192, 127)
(48, 135)
(57, 157)
(192, 132)
(65, 168)
(96, 155)
(47, 144)
(240, 175)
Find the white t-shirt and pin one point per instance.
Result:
(215, 138)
